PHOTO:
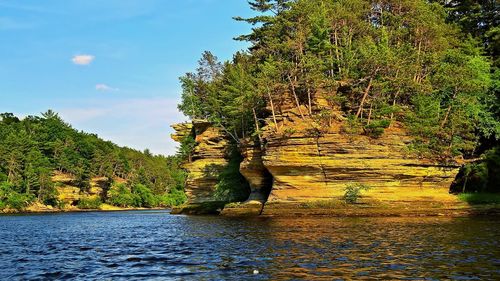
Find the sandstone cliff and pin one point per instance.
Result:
(70, 194)
(309, 166)
(208, 159)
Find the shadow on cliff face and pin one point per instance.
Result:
(481, 176)
(267, 185)
(231, 185)
(478, 182)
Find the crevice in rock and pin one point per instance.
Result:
(257, 175)
(321, 165)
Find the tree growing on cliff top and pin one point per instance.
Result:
(379, 61)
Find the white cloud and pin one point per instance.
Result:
(82, 59)
(105, 88)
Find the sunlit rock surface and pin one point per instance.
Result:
(253, 169)
(303, 166)
(207, 161)
(308, 167)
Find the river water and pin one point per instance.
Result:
(154, 245)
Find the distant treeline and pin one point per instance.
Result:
(32, 148)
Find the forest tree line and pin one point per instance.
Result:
(430, 65)
(33, 148)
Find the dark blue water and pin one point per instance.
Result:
(154, 245)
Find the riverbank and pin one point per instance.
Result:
(40, 208)
(365, 207)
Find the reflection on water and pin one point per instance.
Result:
(156, 245)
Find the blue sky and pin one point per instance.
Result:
(111, 67)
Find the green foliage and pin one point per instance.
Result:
(377, 127)
(18, 201)
(352, 126)
(353, 192)
(11, 199)
(480, 176)
(31, 149)
(384, 62)
(288, 132)
(478, 18)
(186, 148)
(232, 186)
(480, 198)
(89, 203)
(120, 195)
(173, 198)
(48, 196)
(141, 196)
(146, 198)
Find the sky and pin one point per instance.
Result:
(111, 67)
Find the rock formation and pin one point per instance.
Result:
(208, 159)
(253, 169)
(69, 193)
(307, 164)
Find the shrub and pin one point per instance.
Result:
(232, 186)
(480, 198)
(61, 204)
(89, 203)
(174, 198)
(351, 126)
(119, 195)
(480, 176)
(288, 132)
(18, 201)
(353, 192)
(146, 198)
(377, 127)
(13, 199)
(188, 143)
(49, 195)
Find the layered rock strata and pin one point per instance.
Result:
(208, 159)
(253, 169)
(303, 168)
(311, 166)
(308, 168)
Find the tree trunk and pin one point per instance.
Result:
(295, 96)
(446, 117)
(370, 114)
(336, 52)
(257, 125)
(309, 100)
(364, 97)
(272, 109)
(448, 111)
(393, 105)
(418, 71)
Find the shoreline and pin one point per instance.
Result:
(295, 209)
(327, 209)
(75, 210)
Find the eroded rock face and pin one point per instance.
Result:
(308, 168)
(208, 159)
(253, 169)
(303, 163)
(70, 193)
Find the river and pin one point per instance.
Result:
(154, 245)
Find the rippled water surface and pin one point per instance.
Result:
(155, 245)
